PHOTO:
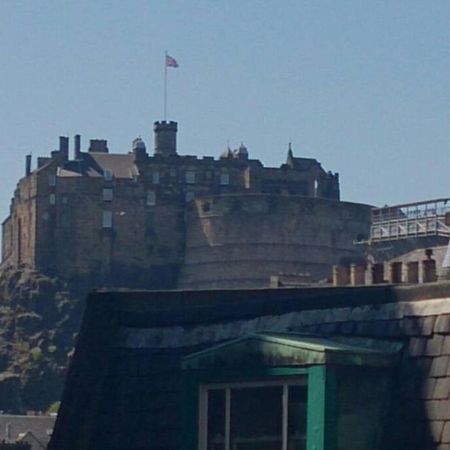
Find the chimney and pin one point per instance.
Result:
(64, 147)
(165, 138)
(77, 147)
(27, 165)
(98, 146)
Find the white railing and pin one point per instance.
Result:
(410, 220)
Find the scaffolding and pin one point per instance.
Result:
(410, 220)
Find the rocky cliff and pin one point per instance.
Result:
(39, 320)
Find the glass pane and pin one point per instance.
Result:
(297, 398)
(216, 419)
(256, 418)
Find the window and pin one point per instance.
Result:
(52, 199)
(287, 391)
(108, 175)
(52, 180)
(189, 196)
(316, 188)
(65, 199)
(190, 177)
(253, 415)
(151, 198)
(107, 219)
(224, 179)
(155, 177)
(107, 194)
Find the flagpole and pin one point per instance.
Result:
(165, 86)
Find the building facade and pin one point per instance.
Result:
(158, 220)
(350, 368)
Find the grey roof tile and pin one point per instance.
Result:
(417, 346)
(434, 345)
(442, 389)
(436, 427)
(439, 366)
(446, 433)
(428, 324)
(412, 326)
(427, 389)
(442, 324)
(437, 409)
(446, 346)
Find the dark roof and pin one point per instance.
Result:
(40, 426)
(94, 165)
(292, 349)
(124, 385)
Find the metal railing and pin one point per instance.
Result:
(410, 220)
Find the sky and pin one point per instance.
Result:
(362, 86)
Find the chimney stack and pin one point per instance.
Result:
(64, 147)
(77, 148)
(165, 138)
(27, 165)
(98, 146)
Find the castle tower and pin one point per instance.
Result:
(165, 138)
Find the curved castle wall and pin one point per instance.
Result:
(241, 240)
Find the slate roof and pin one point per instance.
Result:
(40, 426)
(123, 389)
(94, 165)
(288, 349)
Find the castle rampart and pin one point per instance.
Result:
(129, 219)
(241, 240)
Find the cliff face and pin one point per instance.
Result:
(39, 320)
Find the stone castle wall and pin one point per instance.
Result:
(285, 219)
(242, 240)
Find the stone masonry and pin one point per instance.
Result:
(137, 220)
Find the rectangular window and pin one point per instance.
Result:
(52, 199)
(107, 194)
(224, 179)
(107, 175)
(151, 198)
(190, 177)
(107, 219)
(155, 178)
(253, 416)
(189, 196)
(52, 180)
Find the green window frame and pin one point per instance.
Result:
(321, 398)
(333, 372)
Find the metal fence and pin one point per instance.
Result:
(410, 220)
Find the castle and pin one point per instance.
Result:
(168, 220)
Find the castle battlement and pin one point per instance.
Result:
(125, 217)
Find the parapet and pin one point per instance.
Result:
(165, 138)
(392, 272)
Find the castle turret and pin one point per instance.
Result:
(139, 149)
(165, 138)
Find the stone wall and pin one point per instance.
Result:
(19, 229)
(56, 222)
(74, 241)
(240, 241)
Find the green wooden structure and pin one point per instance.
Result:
(346, 385)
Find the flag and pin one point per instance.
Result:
(171, 62)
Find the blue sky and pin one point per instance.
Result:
(363, 86)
